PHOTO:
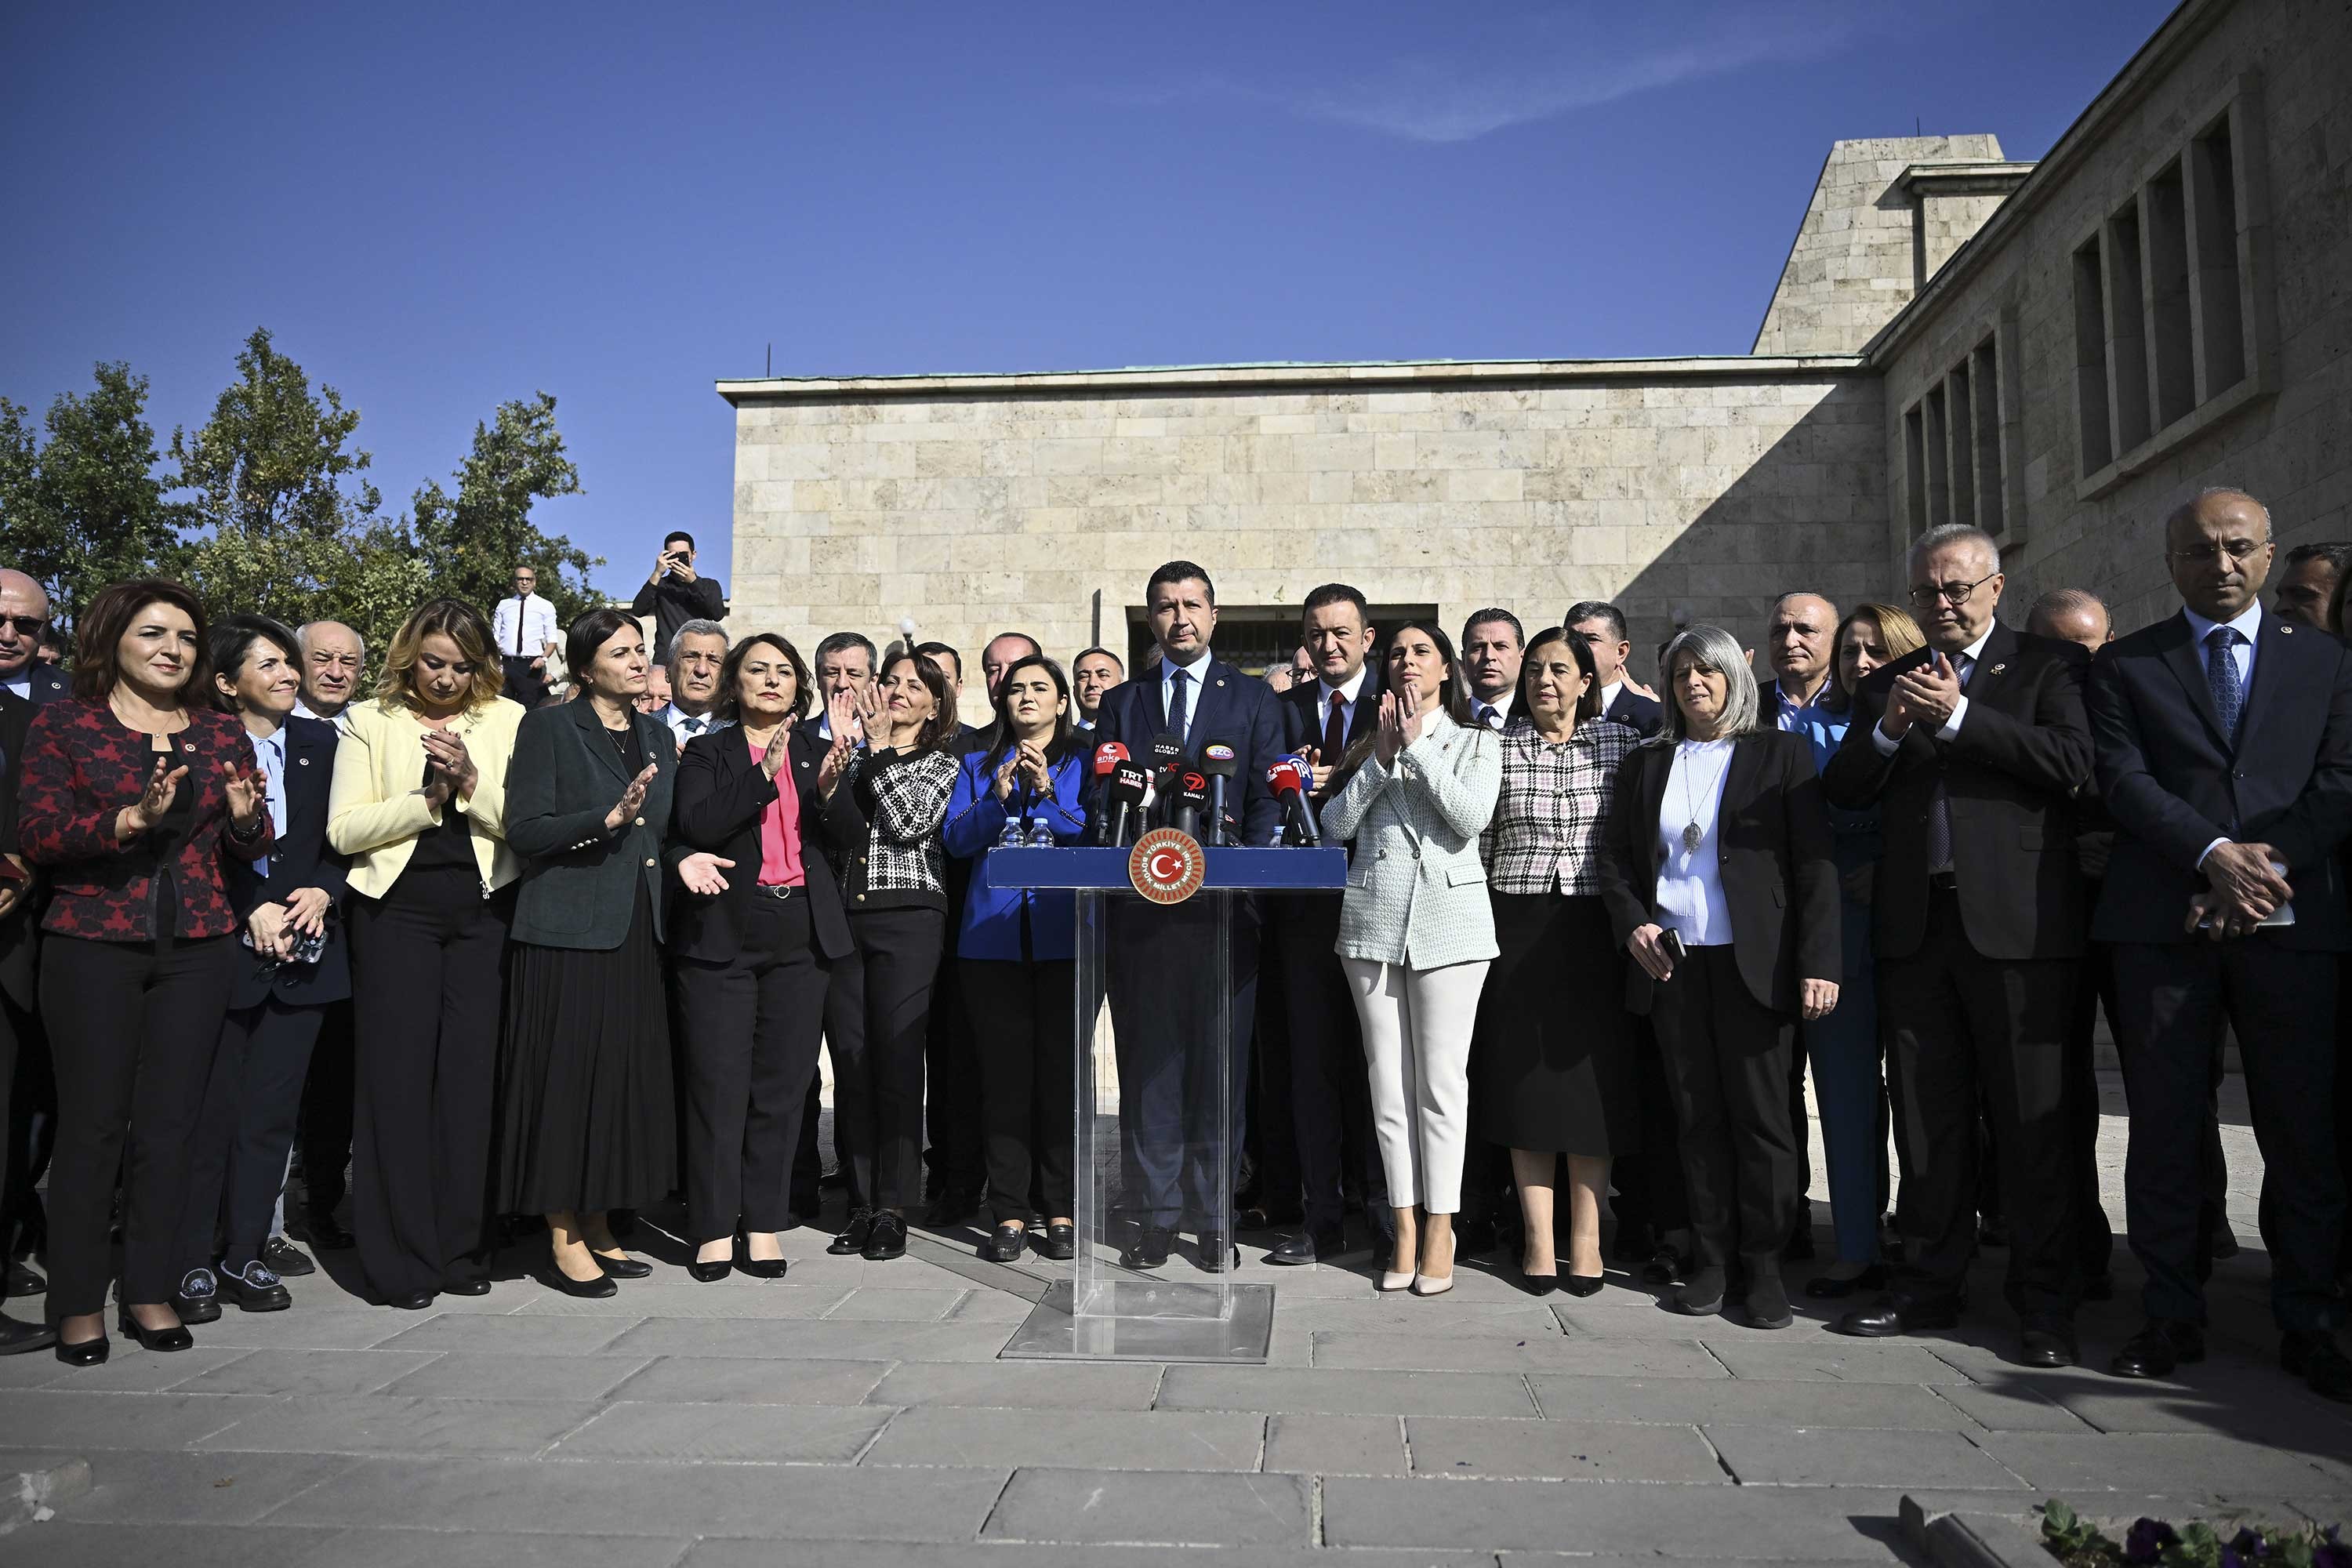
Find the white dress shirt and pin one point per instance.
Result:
(21, 683)
(1495, 715)
(269, 761)
(342, 725)
(685, 726)
(524, 626)
(1196, 675)
(1964, 664)
(2241, 654)
(1690, 878)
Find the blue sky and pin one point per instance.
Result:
(436, 208)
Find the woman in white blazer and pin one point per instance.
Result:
(419, 805)
(1417, 933)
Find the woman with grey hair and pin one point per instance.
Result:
(1718, 879)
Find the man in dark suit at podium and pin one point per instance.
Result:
(2224, 741)
(1601, 624)
(1161, 992)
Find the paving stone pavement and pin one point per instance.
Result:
(856, 1414)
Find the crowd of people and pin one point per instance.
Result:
(547, 925)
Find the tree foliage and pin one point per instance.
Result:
(475, 538)
(86, 507)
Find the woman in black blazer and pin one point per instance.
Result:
(291, 963)
(751, 960)
(1718, 879)
(586, 1121)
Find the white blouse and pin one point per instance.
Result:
(1690, 874)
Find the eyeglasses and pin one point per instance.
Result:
(1954, 593)
(2210, 551)
(26, 626)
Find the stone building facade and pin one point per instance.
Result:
(2059, 352)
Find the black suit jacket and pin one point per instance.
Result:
(299, 858)
(2174, 783)
(1302, 722)
(580, 885)
(1641, 714)
(1773, 834)
(19, 930)
(721, 792)
(1231, 707)
(2022, 753)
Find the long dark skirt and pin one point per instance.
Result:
(1557, 1063)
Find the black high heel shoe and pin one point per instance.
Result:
(176, 1338)
(756, 1268)
(87, 1352)
(621, 1267)
(1582, 1284)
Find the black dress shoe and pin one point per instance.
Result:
(1582, 1284)
(2314, 1357)
(1061, 1243)
(1702, 1297)
(1896, 1313)
(594, 1289)
(1829, 1288)
(467, 1285)
(325, 1234)
(1217, 1255)
(887, 1240)
(1308, 1247)
(255, 1289)
(163, 1340)
(949, 1206)
(287, 1260)
(16, 1338)
(1665, 1265)
(1009, 1243)
(2159, 1348)
(197, 1301)
(756, 1268)
(24, 1279)
(1148, 1250)
(412, 1301)
(623, 1267)
(85, 1352)
(2048, 1344)
(712, 1272)
(854, 1235)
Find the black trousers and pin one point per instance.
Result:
(1726, 1064)
(952, 1070)
(428, 974)
(2176, 999)
(326, 1121)
(28, 1131)
(245, 1130)
(2094, 987)
(748, 1046)
(1965, 1030)
(1025, 1017)
(524, 684)
(1651, 1198)
(1330, 1095)
(134, 1026)
(877, 1085)
(844, 1032)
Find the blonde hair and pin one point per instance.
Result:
(1896, 630)
(461, 624)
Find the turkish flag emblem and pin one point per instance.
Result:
(1167, 866)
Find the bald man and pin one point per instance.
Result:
(1797, 642)
(23, 616)
(28, 1095)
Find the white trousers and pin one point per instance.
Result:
(1417, 1025)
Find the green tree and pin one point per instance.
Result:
(472, 542)
(86, 507)
(279, 498)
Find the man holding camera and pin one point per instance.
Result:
(676, 593)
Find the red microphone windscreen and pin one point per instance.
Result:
(1285, 778)
(1107, 756)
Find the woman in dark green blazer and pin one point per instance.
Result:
(585, 1123)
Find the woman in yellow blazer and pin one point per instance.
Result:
(419, 805)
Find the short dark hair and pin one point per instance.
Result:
(1596, 610)
(932, 650)
(231, 643)
(1481, 618)
(1588, 705)
(1089, 653)
(2335, 551)
(1181, 572)
(803, 688)
(674, 536)
(589, 633)
(941, 725)
(841, 642)
(98, 629)
(1335, 593)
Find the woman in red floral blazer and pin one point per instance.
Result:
(129, 795)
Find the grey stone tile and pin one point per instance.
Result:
(523, 1334)
(66, 1543)
(1097, 1439)
(1317, 1392)
(1459, 1352)
(983, 1305)
(390, 1424)
(156, 1421)
(63, 1545)
(351, 1328)
(603, 1496)
(1336, 1445)
(826, 1340)
(2018, 1408)
(738, 1296)
(132, 1487)
(2182, 1464)
(1023, 1554)
(1022, 1385)
(740, 1434)
(872, 1305)
(1830, 1358)
(735, 1380)
(2248, 1409)
(280, 1372)
(1561, 1450)
(1402, 1313)
(1738, 1402)
(1780, 1456)
(1165, 1508)
(480, 1374)
(127, 1369)
(1668, 1521)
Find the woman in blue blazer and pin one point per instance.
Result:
(1016, 955)
(291, 963)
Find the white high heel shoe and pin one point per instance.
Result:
(1392, 1280)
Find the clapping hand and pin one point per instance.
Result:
(632, 801)
(1388, 738)
(778, 751)
(249, 797)
(1004, 773)
(700, 872)
(451, 762)
(1031, 761)
(1924, 694)
(162, 786)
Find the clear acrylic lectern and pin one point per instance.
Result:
(1159, 1092)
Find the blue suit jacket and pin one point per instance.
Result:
(1231, 707)
(299, 858)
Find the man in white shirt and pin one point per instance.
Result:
(697, 656)
(333, 655)
(1493, 644)
(524, 626)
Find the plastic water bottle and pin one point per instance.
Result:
(1041, 834)
(1012, 837)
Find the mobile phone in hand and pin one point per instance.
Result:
(1672, 941)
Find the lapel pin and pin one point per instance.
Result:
(2285, 630)
(304, 761)
(1999, 667)
(187, 746)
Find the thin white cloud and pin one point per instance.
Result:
(1544, 69)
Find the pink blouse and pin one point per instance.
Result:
(780, 832)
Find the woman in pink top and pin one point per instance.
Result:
(751, 960)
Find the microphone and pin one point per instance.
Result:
(1130, 782)
(1167, 758)
(1107, 756)
(1306, 769)
(1218, 760)
(1290, 788)
(1192, 799)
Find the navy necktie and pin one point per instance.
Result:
(2222, 679)
(1177, 707)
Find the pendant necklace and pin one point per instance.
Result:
(1692, 832)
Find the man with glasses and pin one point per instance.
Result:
(524, 626)
(2224, 743)
(24, 621)
(1975, 747)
